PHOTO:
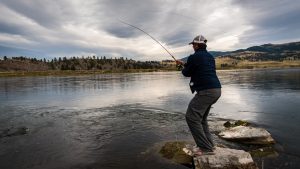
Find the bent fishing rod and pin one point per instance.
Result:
(149, 36)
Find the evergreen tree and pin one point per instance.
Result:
(73, 67)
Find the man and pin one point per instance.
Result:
(200, 66)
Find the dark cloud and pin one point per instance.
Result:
(136, 12)
(283, 20)
(178, 38)
(65, 27)
(123, 31)
(265, 14)
(11, 28)
(272, 21)
(46, 13)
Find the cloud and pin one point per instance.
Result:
(44, 13)
(272, 22)
(74, 28)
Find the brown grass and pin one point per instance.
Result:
(229, 63)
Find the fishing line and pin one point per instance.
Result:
(149, 36)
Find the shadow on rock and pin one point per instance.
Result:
(14, 132)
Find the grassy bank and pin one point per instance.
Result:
(228, 63)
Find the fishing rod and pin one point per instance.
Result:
(149, 36)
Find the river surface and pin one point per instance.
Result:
(111, 121)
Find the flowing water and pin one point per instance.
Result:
(111, 121)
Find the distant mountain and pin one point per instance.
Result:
(276, 48)
(214, 53)
(263, 52)
(218, 53)
(268, 52)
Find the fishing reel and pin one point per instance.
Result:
(179, 67)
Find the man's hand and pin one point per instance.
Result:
(179, 62)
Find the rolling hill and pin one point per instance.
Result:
(266, 52)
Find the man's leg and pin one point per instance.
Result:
(214, 95)
(206, 128)
(194, 117)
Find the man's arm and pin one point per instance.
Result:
(188, 68)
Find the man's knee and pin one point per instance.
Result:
(192, 119)
(187, 117)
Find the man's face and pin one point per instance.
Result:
(195, 46)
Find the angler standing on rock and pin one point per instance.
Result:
(200, 66)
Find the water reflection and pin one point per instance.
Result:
(263, 79)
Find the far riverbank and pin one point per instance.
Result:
(255, 65)
(75, 72)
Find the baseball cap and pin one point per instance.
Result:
(199, 39)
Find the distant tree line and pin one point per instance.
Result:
(78, 63)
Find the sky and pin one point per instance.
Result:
(58, 28)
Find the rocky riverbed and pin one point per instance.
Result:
(239, 144)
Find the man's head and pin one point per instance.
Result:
(199, 42)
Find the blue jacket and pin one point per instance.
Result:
(201, 67)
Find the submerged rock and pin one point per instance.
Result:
(236, 123)
(14, 132)
(218, 125)
(174, 152)
(249, 135)
(259, 141)
(225, 158)
(227, 124)
(266, 152)
(241, 123)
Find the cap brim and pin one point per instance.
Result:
(197, 42)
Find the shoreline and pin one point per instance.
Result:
(75, 72)
(91, 72)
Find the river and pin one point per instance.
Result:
(111, 121)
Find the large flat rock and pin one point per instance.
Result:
(217, 125)
(225, 158)
(244, 132)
